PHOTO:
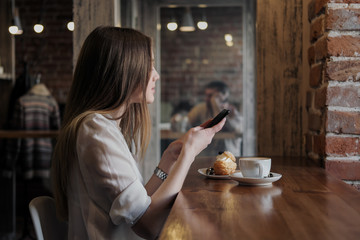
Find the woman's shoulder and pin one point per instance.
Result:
(99, 118)
(98, 129)
(97, 121)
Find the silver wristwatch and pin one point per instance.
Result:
(160, 173)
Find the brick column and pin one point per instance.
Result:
(333, 101)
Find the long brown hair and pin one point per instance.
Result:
(113, 63)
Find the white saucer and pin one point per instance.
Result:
(255, 181)
(202, 171)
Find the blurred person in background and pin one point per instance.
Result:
(217, 95)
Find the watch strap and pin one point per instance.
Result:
(160, 173)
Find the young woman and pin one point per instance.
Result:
(97, 184)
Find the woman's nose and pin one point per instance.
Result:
(157, 76)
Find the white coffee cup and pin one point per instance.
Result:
(255, 167)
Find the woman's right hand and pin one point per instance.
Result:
(198, 138)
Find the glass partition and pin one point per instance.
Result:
(198, 64)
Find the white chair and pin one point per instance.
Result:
(46, 224)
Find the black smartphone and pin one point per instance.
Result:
(218, 118)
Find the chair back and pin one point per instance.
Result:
(46, 224)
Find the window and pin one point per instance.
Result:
(224, 51)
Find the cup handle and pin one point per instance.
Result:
(261, 170)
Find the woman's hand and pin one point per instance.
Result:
(198, 138)
(170, 155)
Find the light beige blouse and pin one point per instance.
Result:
(106, 195)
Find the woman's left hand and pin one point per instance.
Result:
(170, 155)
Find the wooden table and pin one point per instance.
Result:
(306, 203)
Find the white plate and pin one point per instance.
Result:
(202, 171)
(255, 181)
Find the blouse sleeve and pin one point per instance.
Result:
(107, 168)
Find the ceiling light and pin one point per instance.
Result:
(15, 27)
(187, 24)
(38, 28)
(202, 25)
(70, 26)
(172, 26)
(228, 37)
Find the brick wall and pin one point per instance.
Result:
(51, 52)
(191, 60)
(333, 102)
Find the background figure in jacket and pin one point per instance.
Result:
(37, 110)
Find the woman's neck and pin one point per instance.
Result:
(116, 113)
